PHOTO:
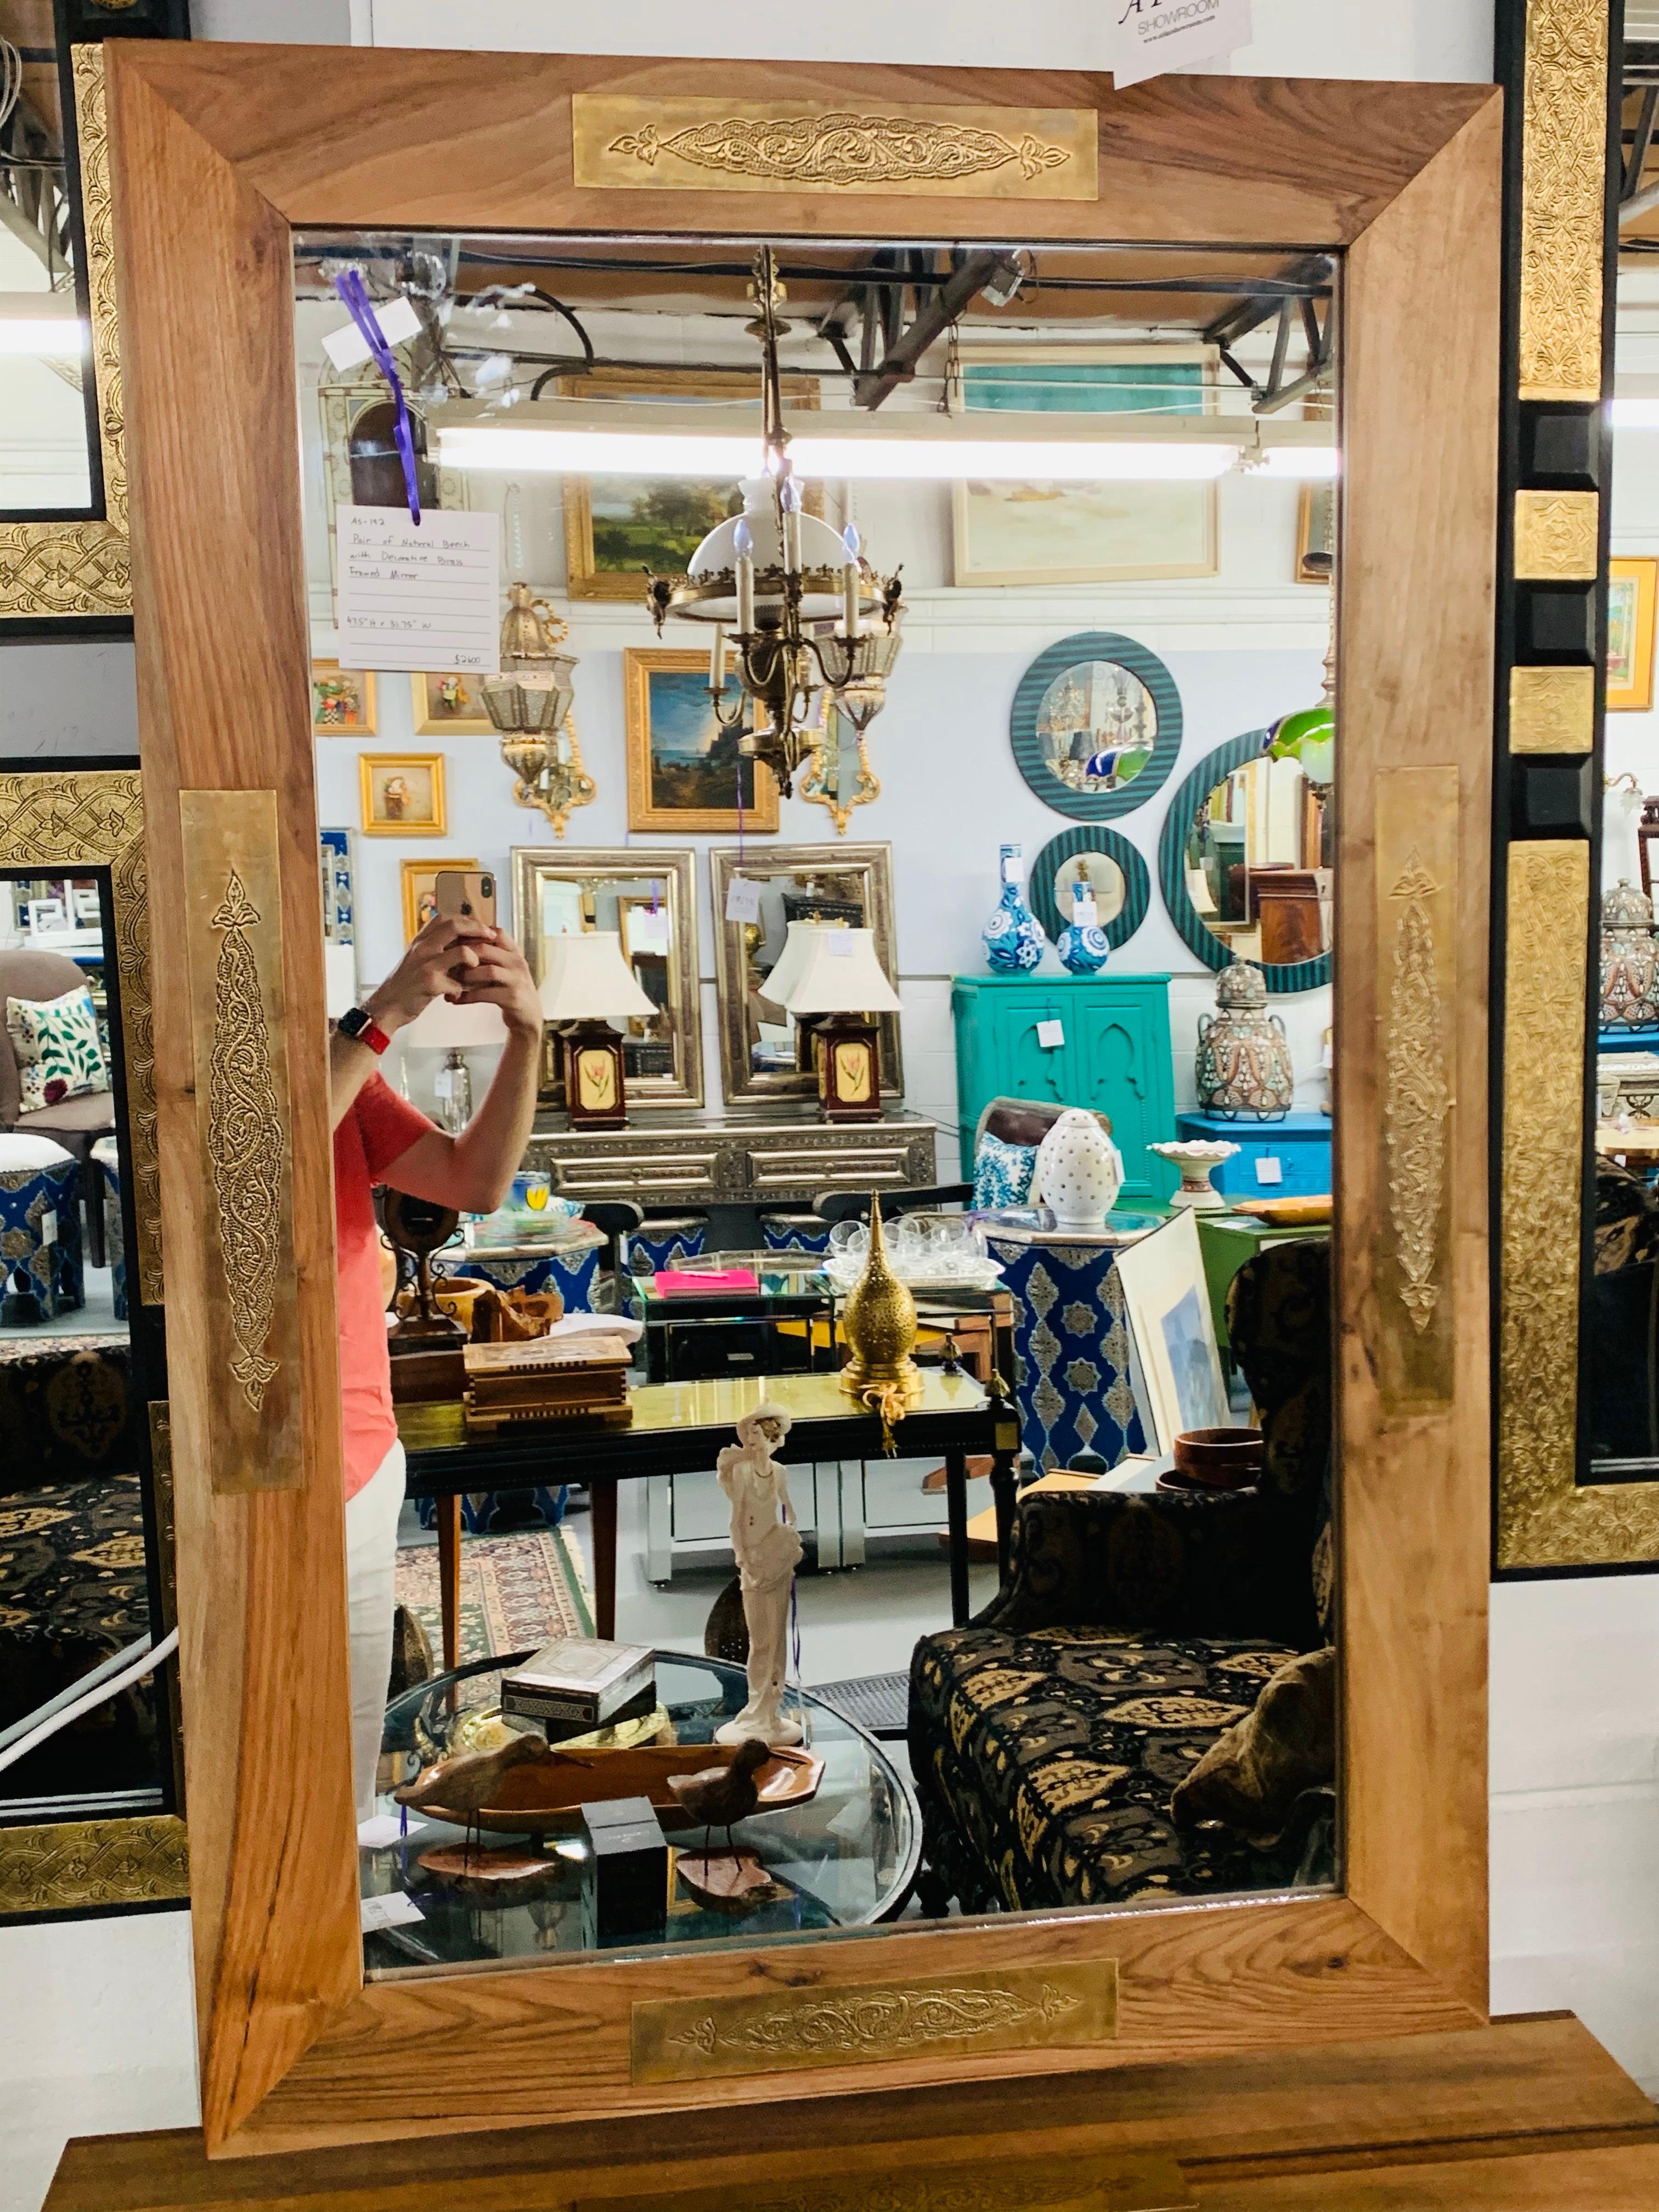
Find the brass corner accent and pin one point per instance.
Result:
(1557, 537)
(786, 2030)
(1563, 199)
(694, 144)
(1552, 710)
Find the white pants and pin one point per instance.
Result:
(371, 1533)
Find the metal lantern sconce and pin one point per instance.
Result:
(529, 704)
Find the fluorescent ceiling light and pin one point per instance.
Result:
(1634, 414)
(42, 334)
(644, 452)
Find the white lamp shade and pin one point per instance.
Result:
(340, 979)
(445, 1027)
(820, 548)
(787, 968)
(840, 975)
(588, 980)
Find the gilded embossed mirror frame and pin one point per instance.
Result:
(1404, 182)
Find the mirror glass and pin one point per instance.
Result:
(79, 1357)
(950, 1730)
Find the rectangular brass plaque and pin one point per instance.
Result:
(234, 931)
(619, 141)
(862, 2023)
(1557, 536)
(1416, 982)
(1563, 199)
(1125, 2181)
(1552, 710)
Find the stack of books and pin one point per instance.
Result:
(578, 1683)
(548, 1379)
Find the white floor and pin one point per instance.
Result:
(96, 1317)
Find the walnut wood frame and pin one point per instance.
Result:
(1405, 181)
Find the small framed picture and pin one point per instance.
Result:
(341, 701)
(419, 881)
(1315, 534)
(403, 794)
(449, 706)
(1632, 590)
(685, 771)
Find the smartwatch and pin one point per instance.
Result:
(361, 1027)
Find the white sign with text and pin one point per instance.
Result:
(426, 596)
(1150, 37)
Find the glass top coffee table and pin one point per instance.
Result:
(845, 1858)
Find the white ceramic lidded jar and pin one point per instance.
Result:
(1080, 1171)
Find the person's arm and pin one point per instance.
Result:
(448, 949)
(473, 1172)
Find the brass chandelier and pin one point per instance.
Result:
(529, 704)
(806, 612)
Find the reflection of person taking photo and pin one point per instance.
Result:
(380, 1138)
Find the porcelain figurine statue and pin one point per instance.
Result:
(1244, 1070)
(1014, 937)
(767, 1546)
(1080, 1171)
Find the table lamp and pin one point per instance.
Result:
(781, 979)
(588, 985)
(840, 977)
(442, 1026)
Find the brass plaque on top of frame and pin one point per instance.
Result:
(1416, 819)
(1563, 199)
(786, 2030)
(691, 145)
(1120, 2181)
(234, 931)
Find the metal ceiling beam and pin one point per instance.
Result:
(931, 321)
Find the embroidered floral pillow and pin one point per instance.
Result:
(56, 1047)
(1002, 1175)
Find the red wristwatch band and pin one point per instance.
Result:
(373, 1037)
(362, 1028)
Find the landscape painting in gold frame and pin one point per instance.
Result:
(1633, 596)
(685, 771)
(402, 794)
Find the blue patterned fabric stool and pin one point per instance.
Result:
(40, 1221)
(107, 1154)
(794, 1232)
(670, 1242)
(1071, 1347)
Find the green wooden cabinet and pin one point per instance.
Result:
(1112, 1056)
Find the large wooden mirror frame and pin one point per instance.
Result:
(1404, 180)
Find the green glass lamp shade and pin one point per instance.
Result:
(1308, 737)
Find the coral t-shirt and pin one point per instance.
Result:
(378, 1131)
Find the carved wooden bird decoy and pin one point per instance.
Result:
(466, 1786)
(719, 1796)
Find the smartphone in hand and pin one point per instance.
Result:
(469, 891)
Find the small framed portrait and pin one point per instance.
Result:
(1633, 589)
(341, 701)
(449, 706)
(420, 882)
(1315, 534)
(403, 794)
(685, 771)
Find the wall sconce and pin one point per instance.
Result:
(529, 702)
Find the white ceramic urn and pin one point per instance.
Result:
(1079, 1171)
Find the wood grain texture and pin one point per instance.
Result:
(1415, 690)
(485, 140)
(1525, 2178)
(223, 662)
(1227, 2118)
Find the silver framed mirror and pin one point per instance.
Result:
(760, 1052)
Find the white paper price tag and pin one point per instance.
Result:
(839, 944)
(1146, 37)
(424, 595)
(398, 320)
(443, 1083)
(1270, 1169)
(1051, 1034)
(385, 1829)
(49, 1226)
(743, 899)
(395, 1911)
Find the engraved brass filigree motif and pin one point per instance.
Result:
(245, 1141)
(1563, 199)
(1025, 2008)
(1557, 536)
(843, 150)
(1552, 710)
(58, 569)
(1416, 1095)
(96, 820)
(76, 1866)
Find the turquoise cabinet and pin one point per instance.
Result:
(1112, 1055)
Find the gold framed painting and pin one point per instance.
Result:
(420, 888)
(402, 794)
(685, 771)
(1315, 533)
(341, 701)
(615, 527)
(449, 706)
(1633, 592)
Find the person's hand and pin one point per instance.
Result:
(502, 978)
(438, 960)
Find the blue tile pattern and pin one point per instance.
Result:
(27, 1196)
(1070, 1351)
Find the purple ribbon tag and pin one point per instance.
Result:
(354, 300)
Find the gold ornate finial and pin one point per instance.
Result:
(879, 1323)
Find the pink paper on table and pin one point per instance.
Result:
(718, 1282)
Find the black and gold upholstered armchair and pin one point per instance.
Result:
(1047, 1737)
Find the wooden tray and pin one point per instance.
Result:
(547, 1798)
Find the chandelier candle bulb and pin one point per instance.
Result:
(717, 661)
(849, 583)
(791, 500)
(742, 544)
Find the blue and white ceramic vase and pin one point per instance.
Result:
(1083, 947)
(1013, 937)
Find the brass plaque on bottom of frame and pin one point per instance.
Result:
(784, 2031)
(689, 143)
(1130, 2181)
